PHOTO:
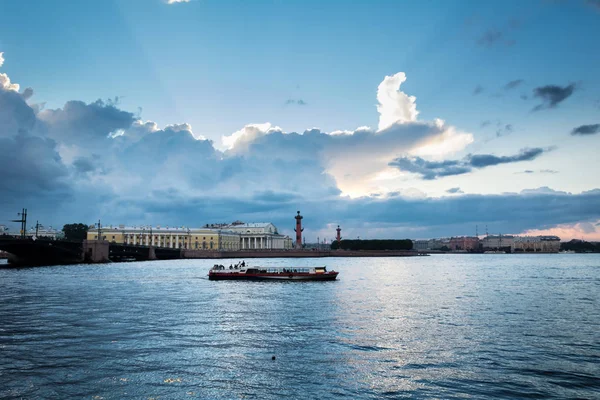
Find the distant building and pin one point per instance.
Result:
(537, 244)
(236, 236)
(500, 242)
(464, 243)
(44, 232)
(3, 230)
(421, 245)
(258, 235)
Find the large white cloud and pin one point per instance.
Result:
(394, 105)
(358, 159)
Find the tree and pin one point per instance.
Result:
(75, 231)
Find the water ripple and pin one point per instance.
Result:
(442, 326)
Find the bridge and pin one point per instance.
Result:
(43, 251)
(26, 251)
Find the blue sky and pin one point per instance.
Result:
(296, 65)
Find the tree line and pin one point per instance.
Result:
(580, 246)
(375, 244)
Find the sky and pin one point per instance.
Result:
(392, 119)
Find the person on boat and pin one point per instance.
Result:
(230, 266)
(243, 264)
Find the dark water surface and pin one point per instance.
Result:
(446, 326)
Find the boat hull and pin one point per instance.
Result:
(329, 276)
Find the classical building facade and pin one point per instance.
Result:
(537, 244)
(259, 235)
(170, 237)
(226, 237)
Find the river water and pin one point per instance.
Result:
(445, 326)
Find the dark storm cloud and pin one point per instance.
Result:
(85, 124)
(513, 84)
(478, 89)
(586, 130)
(436, 169)
(30, 166)
(392, 216)
(15, 114)
(552, 95)
(454, 190)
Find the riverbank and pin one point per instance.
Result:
(204, 254)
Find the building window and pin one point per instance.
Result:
(211, 244)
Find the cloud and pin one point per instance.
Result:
(490, 37)
(594, 3)
(478, 89)
(1, 58)
(552, 95)
(586, 130)
(177, 1)
(5, 83)
(30, 166)
(358, 160)
(582, 230)
(86, 161)
(541, 171)
(436, 169)
(493, 37)
(504, 130)
(513, 84)
(394, 105)
(454, 190)
(299, 102)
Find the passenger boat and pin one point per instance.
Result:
(220, 272)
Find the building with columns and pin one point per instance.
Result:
(258, 235)
(226, 237)
(170, 237)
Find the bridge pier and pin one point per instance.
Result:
(151, 253)
(95, 251)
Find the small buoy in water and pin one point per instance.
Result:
(273, 358)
